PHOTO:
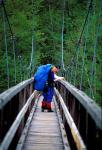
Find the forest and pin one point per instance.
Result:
(62, 32)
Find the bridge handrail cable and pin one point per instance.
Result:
(76, 135)
(6, 96)
(11, 132)
(92, 108)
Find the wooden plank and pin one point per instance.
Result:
(6, 96)
(92, 108)
(44, 147)
(45, 139)
(24, 133)
(36, 128)
(63, 133)
(10, 134)
(75, 133)
(42, 124)
(44, 132)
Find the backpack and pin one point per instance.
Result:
(41, 76)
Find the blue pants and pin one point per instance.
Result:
(48, 95)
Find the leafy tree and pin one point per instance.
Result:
(41, 21)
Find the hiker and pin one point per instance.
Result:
(44, 81)
(48, 91)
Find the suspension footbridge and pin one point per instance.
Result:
(76, 120)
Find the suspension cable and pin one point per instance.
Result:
(84, 53)
(32, 53)
(21, 66)
(33, 37)
(94, 54)
(79, 41)
(51, 25)
(13, 40)
(71, 71)
(31, 65)
(62, 36)
(7, 18)
(87, 15)
(6, 48)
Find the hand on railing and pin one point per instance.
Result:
(57, 78)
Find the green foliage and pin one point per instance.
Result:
(43, 20)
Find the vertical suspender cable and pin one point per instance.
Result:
(71, 71)
(7, 18)
(13, 39)
(90, 6)
(20, 59)
(51, 25)
(32, 53)
(76, 65)
(78, 45)
(83, 62)
(20, 63)
(6, 48)
(68, 74)
(94, 55)
(62, 60)
(83, 59)
(70, 68)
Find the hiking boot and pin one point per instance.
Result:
(50, 110)
(43, 110)
(43, 106)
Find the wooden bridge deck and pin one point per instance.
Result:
(44, 131)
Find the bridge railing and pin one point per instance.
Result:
(85, 113)
(15, 106)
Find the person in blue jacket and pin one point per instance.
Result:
(48, 91)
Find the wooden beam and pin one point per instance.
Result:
(91, 107)
(75, 133)
(25, 131)
(11, 133)
(63, 133)
(6, 96)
